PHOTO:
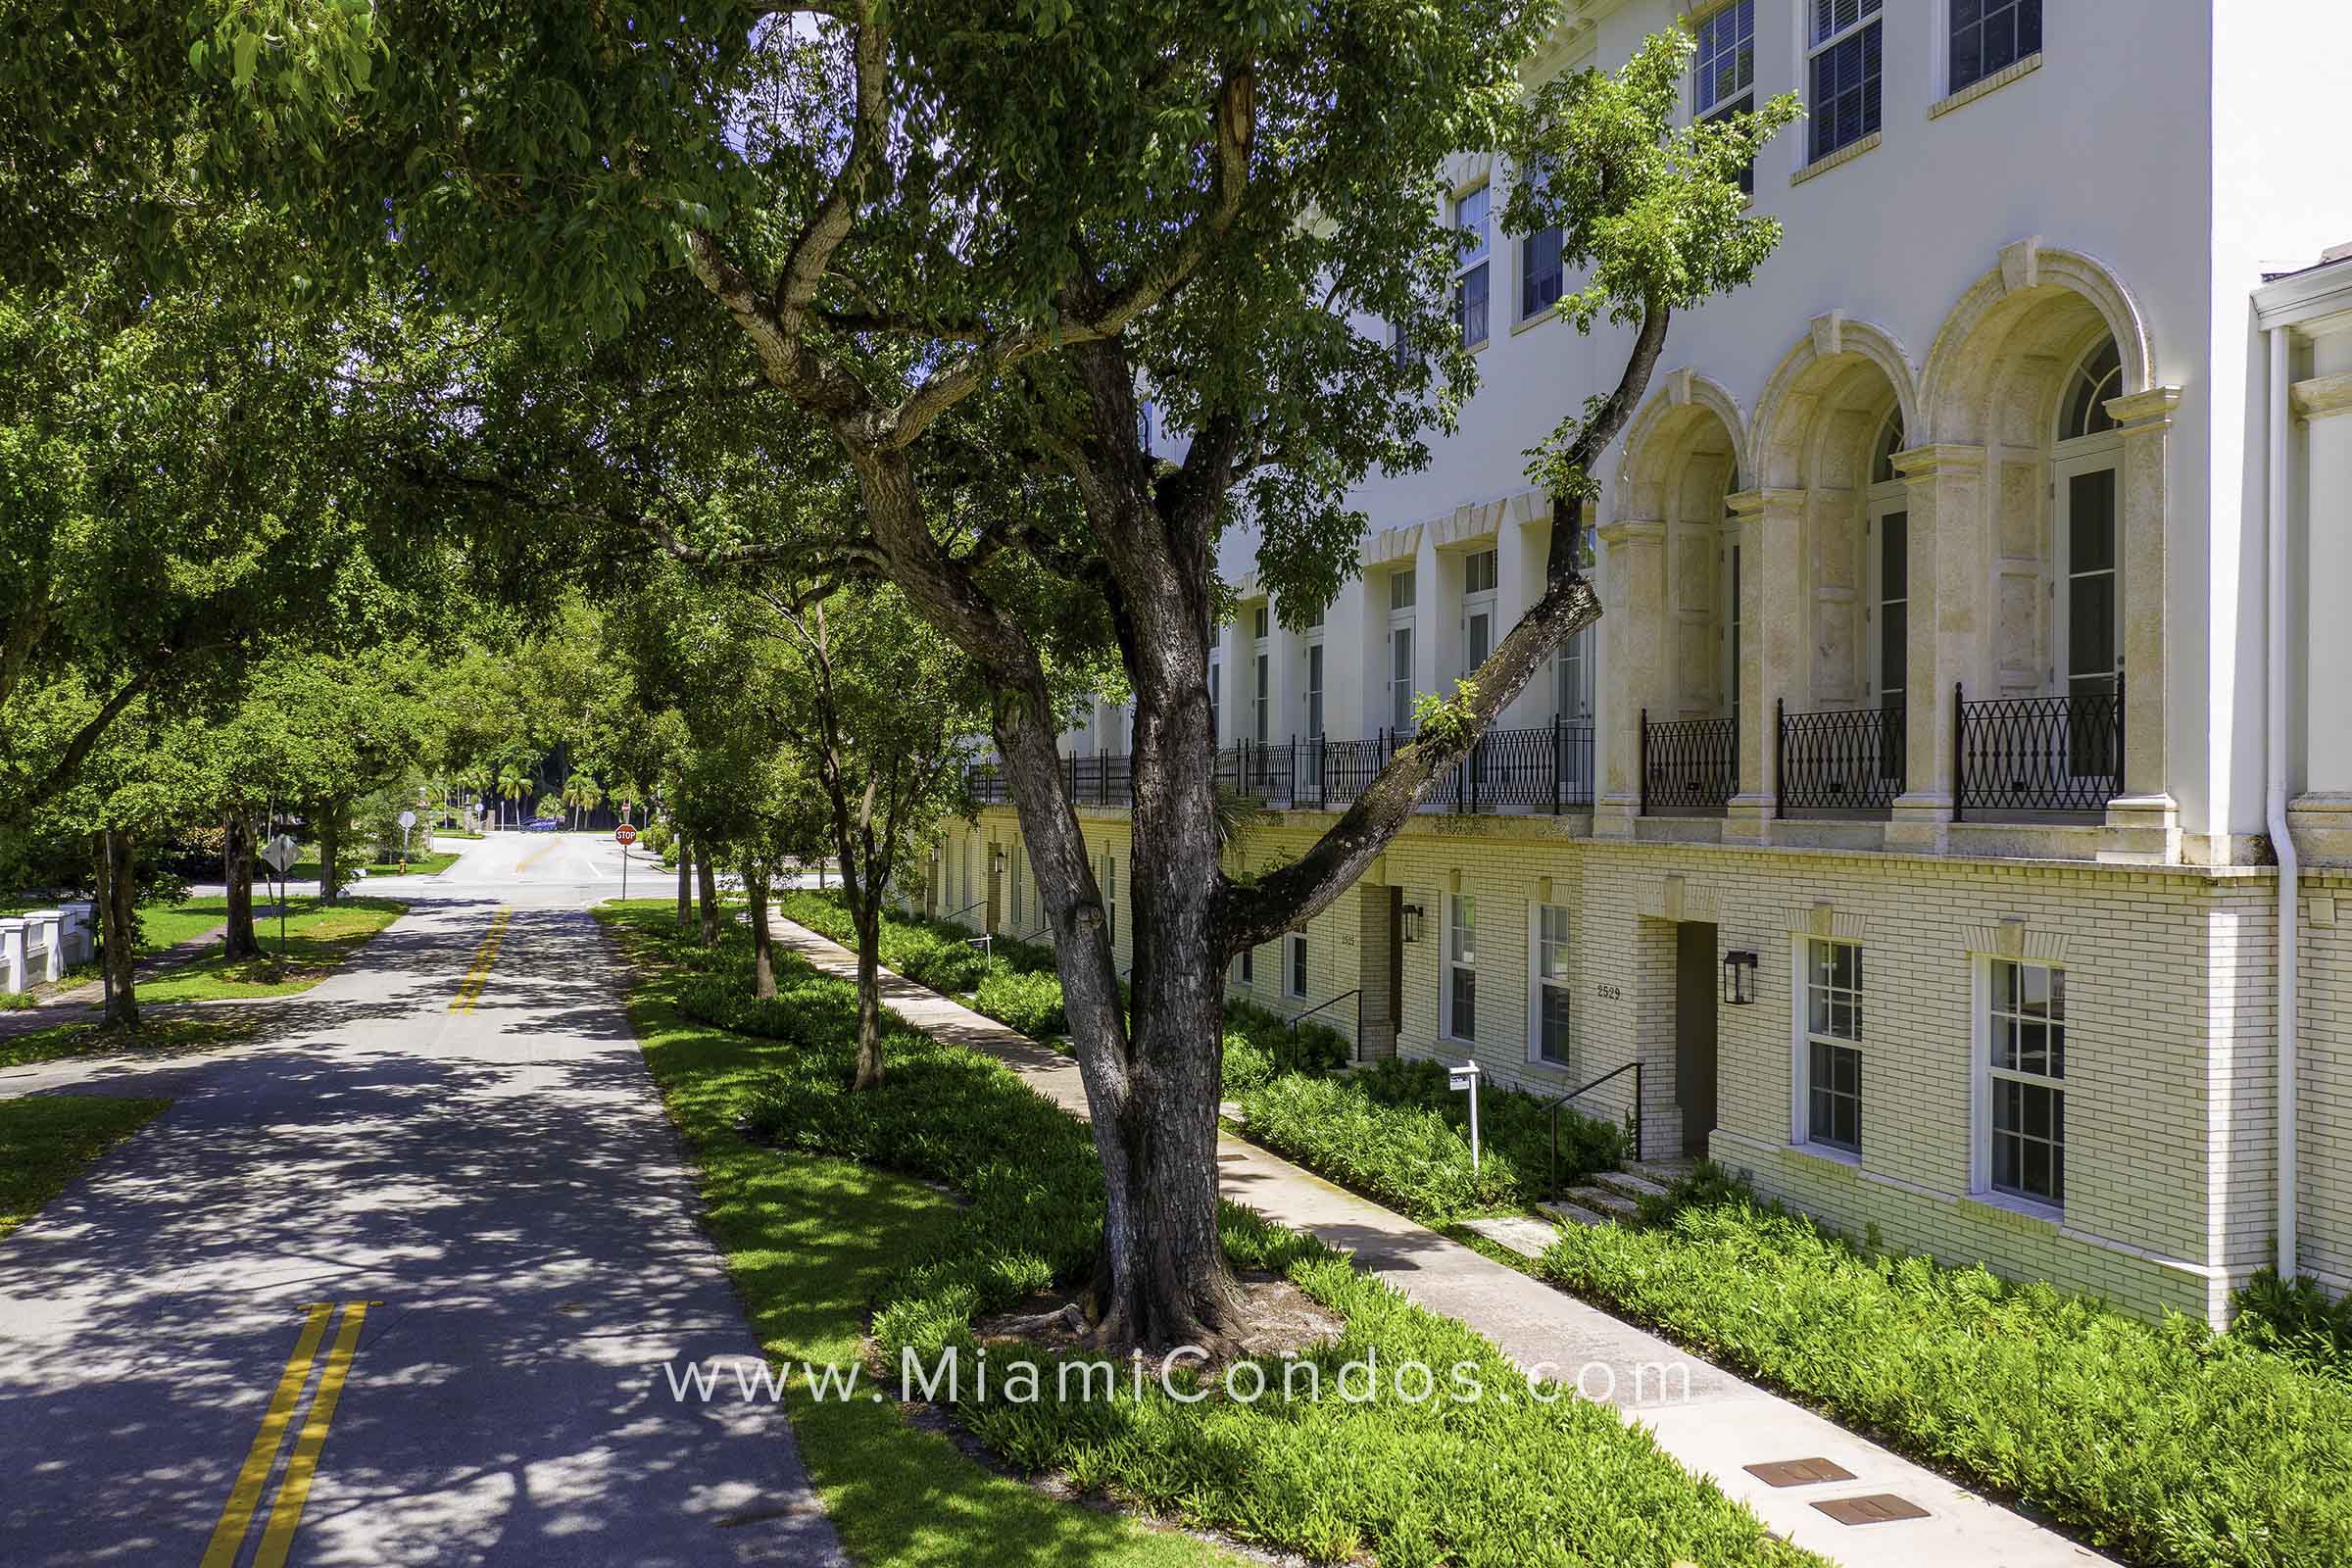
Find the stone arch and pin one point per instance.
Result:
(1999, 361)
(1684, 456)
(1655, 442)
(1840, 365)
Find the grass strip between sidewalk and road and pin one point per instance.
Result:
(816, 1234)
(159, 1034)
(48, 1139)
(318, 937)
(811, 1242)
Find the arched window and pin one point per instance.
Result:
(2097, 378)
(1891, 441)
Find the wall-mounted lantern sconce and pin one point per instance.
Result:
(1413, 922)
(1740, 977)
(995, 859)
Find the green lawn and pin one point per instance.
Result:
(157, 1034)
(317, 938)
(812, 1242)
(418, 865)
(46, 1141)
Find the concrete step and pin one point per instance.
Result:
(1572, 1214)
(1528, 1237)
(1629, 1184)
(1596, 1201)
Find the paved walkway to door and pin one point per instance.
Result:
(1716, 1424)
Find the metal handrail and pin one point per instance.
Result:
(1561, 1103)
(1354, 1046)
(966, 910)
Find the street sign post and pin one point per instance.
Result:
(408, 820)
(625, 836)
(1466, 1077)
(279, 854)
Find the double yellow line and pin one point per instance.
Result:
(469, 990)
(294, 1484)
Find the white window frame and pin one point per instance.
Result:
(1295, 975)
(1811, 47)
(1538, 984)
(1403, 617)
(1450, 1026)
(1216, 702)
(1740, 97)
(1110, 902)
(1943, 58)
(1262, 676)
(1801, 1042)
(1012, 865)
(1475, 260)
(1250, 968)
(1526, 272)
(1982, 1077)
(1885, 501)
(2090, 454)
(1479, 604)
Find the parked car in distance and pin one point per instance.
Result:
(544, 824)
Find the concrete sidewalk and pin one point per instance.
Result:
(1716, 1426)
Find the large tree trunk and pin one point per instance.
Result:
(706, 877)
(117, 914)
(236, 864)
(330, 851)
(764, 959)
(685, 883)
(865, 914)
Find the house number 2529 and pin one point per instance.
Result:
(1608, 993)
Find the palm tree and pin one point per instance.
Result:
(581, 792)
(514, 781)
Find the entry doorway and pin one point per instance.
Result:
(1695, 1058)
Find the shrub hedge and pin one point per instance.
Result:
(1509, 1479)
(2165, 1442)
(1395, 1133)
(1016, 984)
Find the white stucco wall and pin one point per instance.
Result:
(2106, 149)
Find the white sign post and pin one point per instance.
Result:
(1466, 1077)
(279, 854)
(408, 820)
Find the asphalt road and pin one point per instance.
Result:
(399, 1286)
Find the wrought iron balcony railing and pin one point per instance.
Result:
(1848, 761)
(1542, 769)
(1688, 766)
(2037, 754)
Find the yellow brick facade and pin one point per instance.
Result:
(2170, 1099)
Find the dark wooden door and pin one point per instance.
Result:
(1694, 1062)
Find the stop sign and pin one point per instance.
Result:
(624, 834)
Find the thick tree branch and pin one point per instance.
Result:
(1256, 914)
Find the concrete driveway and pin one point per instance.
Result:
(400, 1286)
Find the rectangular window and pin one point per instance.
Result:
(1724, 71)
(1552, 985)
(1019, 928)
(1216, 703)
(1991, 36)
(1833, 1019)
(1470, 277)
(1257, 621)
(1400, 677)
(1264, 705)
(1480, 572)
(1110, 899)
(1249, 967)
(2026, 1027)
(1295, 942)
(1843, 64)
(1461, 967)
(1543, 273)
(1400, 589)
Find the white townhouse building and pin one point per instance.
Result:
(1909, 833)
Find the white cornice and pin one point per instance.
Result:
(2311, 301)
